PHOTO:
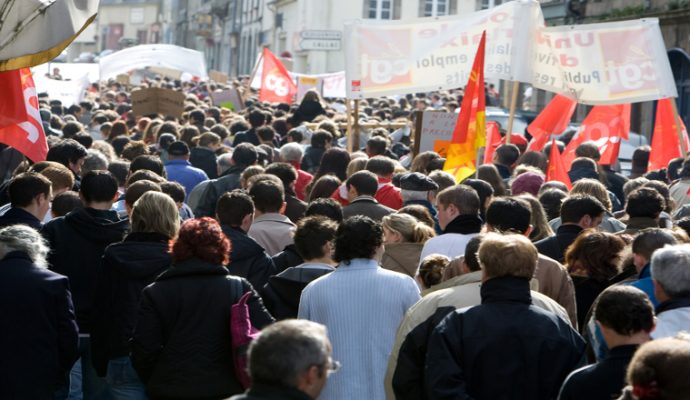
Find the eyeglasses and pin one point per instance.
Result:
(333, 366)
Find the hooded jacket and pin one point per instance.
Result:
(402, 257)
(282, 292)
(247, 258)
(128, 267)
(77, 242)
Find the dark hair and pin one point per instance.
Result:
(98, 186)
(245, 154)
(67, 151)
(70, 129)
(238, 126)
(267, 195)
(266, 133)
(175, 190)
(377, 145)
(197, 116)
(577, 206)
(463, 197)
(596, 254)
(509, 214)
(326, 207)
(551, 200)
(420, 212)
(312, 234)
(644, 202)
(137, 189)
(257, 118)
(296, 135)
(380, 165)
(484, 190)
(471, 250)
(320, 138)
(233, 206)
(535, 159)
(65, 202)
(201, 238)
(507, 154)
(286, 172)
(84, 139)
(151, 163)
(663, 190)
(432, 268)
(650, 240)
(364, 182)
(357, 237)
(144, 174)
(334, 161)
(24, 188)
(489, 173)
(625, 309)
(323, 187)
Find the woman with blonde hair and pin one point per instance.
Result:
(597, 190)
(403, 238)
(127, 268)
(540, 226)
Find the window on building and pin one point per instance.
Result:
(379, 9)
(484, 4)
(435, 8)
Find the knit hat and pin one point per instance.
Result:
(527, 182)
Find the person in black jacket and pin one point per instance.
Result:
(77, 242)
(577, 213)
(294, 207)
(504, 348)
(309, 108)
(30, 195)
(249, 260)
(39, 338)
(128, 267)
(203, 155)
(313, 239)
(626, 318)
(257, 119)
(181, 347)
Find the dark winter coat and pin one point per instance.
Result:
(204, 159)
(555, 246)
(248, 259)
(128, 267)
(307, 111)
(287, 258)
(181, 347)
(16, 215)
(282, 292)
(228, 181)
(77, 242)
(266, 392)
(39, 337)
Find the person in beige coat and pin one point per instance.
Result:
(403, 239)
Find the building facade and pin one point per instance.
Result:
(124, 23)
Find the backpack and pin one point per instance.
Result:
(242, 333)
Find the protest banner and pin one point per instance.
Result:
(435, 128)
(306, 83)
(228, 98)
(217, 76)
(166, 72)
(170, 56)
(332, 84)
(597, 64)
(68, 92)
(166, 102)
(122, 79)
(69, 71)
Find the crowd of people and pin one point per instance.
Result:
(249, 254)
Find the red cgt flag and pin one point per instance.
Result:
(665, 143)
(557, 170)
(493, 139)
(553, 119)
(27, 135)
(276, 84)
(11, 112)
(606, 126)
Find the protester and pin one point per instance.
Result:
(359, 296)
(643, 207)
(30, 196)
(294, 207)
(191, 303)
(671, 276)
(271, 229)
(293, 153)
(453, 366)
(203, 155)
(403, 239)
(361, 187)
(179, 169)
(39, 339)
(645, 244)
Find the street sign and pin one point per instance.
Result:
(319, 44)
(321, 35)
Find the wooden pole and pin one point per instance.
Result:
(348, 111)
(679, 131)
(513, 105)
(355, 136)
(248, 86)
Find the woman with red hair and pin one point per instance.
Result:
(182, 343)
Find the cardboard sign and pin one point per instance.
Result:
(228, 98)
(123, 79)
(436, 131)
(217, 76)
(166, 72)
(166, 102)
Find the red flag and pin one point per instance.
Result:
(557, 170)
(11, 112)
(553, 119)
(665, 143)
(493, 139)
(470, 129)
(606, 126)
(26, 136)
(276, 83)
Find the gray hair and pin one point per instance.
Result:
(286, 349)
(291, 152)
(224, 162)
(25, 239)
(671, 269)
(94, 161)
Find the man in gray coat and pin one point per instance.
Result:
(361, 188)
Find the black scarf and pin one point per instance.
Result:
(464, 224)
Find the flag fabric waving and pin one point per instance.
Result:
(493, 139)
(276, 84)
(26, 136)
(553, 119)
(665, 143)
(11, 112)
(557, 170)
(606, 126)
(470, 129)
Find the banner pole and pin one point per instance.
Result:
(348, 111)
(248, 87)
(355, 138)
(679, 131)
(513, 105)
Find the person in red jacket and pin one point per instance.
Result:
(387, 194)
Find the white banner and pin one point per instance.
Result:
(154, 55)
(332, 85)
(69, 70)
(68, 92)
(592, 63)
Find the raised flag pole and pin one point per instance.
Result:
(248, 86)
(679, 131)
(513, 105)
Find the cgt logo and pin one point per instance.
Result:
(276, 83)
(629, 65)
(384, 55)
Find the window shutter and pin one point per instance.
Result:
(396, 9)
